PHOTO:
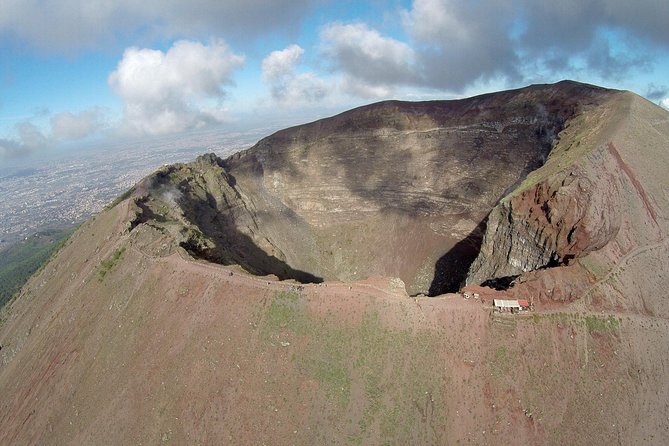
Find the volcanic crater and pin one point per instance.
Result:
(555, 193)
(397, 189)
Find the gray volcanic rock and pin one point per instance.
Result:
(395, 189)
(599, 204)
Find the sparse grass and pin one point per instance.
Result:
(107, 265)
(597, 324)
(334, 377)
(284, 313)
(593, 323)
(502, 362)
(120, 198)
(595, 266)
(368, 357)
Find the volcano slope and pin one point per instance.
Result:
(162, 319)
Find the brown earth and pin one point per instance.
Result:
(126, 338)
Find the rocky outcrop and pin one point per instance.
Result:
(440, 194)
(200, 205)
(559, 220)
(596, 205)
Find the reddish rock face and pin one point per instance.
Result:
(597, 205)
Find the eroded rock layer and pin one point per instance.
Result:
(598, 209)
(395, 189)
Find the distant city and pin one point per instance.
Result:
(59, 194)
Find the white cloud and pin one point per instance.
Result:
(431, 20)
(74, 24)
(64, 126)
(172, 91)
(30, 138)
(281, 63)
(665, 103)
(363, 53)
(460, 43)
(10, 148)
(361, 89)
(68, 125)
(287, 86)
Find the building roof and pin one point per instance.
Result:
(506, 303)
(523, 303)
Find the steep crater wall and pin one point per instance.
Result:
(395, 188)
(592, 222)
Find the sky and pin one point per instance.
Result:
(86, 72)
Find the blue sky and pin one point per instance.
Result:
(77, 71)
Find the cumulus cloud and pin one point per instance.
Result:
(454, 44)
(171, 91)
(69, 126)
(10, 148)
(665, 103)
(281, 63)
(468, 41)
(364, 54)
(367, 90)
(287, 86)
(30, 138)
(656, 92)
(462, 42)
(63, 127)
(73, 24)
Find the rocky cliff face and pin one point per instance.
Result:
(561, 219)
(597, 204)
(395, 189)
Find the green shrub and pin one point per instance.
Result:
(107, 265)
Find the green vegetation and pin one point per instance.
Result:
(335, 379)
(284, 313)
(597, 324)
(107, 265)
(20, 261)
(120, 198)
(502, 363)
(350, 363)
(593, 323)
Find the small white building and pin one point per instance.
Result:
(511, 305)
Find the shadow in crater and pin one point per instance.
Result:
(500, 283)
(231, 246)
(451, 269)
(238, 249)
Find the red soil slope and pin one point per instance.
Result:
(166, 349)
